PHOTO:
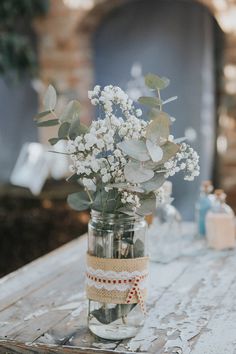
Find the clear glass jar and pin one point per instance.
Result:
(164, 234)
(116, 236)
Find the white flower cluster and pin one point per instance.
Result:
(96, 156)
(112, 96)
(112, 99)
(160, 196)
(95, 153)
(186, 160)
(130, 198)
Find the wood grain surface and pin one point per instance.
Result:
(191, 305)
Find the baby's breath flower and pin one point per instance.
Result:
(96, 156)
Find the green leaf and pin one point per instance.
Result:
(136, 173)
(135, 149)
(126, 210)
(171, 99)
(105, 201)
(48, 123)
(63, 130)
(50, 98)
(73, 178)
(154, 150)
(148, 205)
(169, 150)
(107, 315)
(83, 129)
(150, 101)
(139, 249)
(155, 82)
(158, 128)
(154, 112)
(42, 114)
(71, 112)
(77, 129)
(79, 201)
(53, 141)
(154, 183)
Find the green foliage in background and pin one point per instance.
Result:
(17, 50)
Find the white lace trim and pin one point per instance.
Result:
(111, 275)
(118, 287)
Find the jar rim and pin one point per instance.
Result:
(112, 216)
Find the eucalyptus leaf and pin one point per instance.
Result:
(100, 250)
(155, 82)
(159, 127)
(50, 98)
(48, 123)
(169, 150)
(73, 178)
(77, 129)
(79, 201)
(154, 112)
(42, 114)
(53, 141)
(105, 201)
(71, 111)
(151, 165)
(109, 315)
(126, 210)
(154, 150)
(63, 130)
(171, 99)
(136, 173)
(135, 149)
(150, 101)
(153, 184)
(139, 249)
(83, 129)
(148, 205)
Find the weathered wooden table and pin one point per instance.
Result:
(192, 306)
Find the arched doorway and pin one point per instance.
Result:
(176, 39)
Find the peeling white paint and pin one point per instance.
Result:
(47, 339)
(187, 306)
(35, 314)
(191, 304)
(141, 342)
(69, 306)
(78, 296)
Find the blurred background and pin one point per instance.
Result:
(75, 44)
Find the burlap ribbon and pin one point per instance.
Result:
(117, 281)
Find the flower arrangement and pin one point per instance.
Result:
(121, 160)
(120, 163)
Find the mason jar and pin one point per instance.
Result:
(117, 270)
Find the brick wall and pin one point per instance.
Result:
(66, 59)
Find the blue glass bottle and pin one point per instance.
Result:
(203, 204)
